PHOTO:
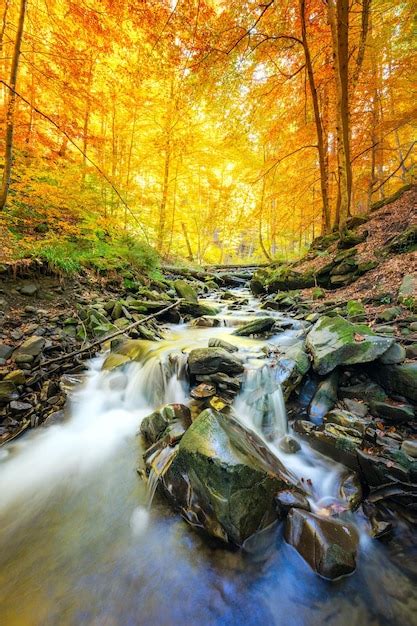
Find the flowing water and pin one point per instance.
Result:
(83, 541)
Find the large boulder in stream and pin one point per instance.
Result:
(334, 341)
(212, 360)
(329, 546)
(224, 480)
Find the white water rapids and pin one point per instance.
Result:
(109, 407)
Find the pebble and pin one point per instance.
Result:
(409, 446)
(19, 407)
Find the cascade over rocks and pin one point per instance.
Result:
(224, 480)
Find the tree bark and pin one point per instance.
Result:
(8, 151)
(318, 122)
(338, 15)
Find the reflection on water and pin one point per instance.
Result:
(79, 547)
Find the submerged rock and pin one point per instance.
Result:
(329, 546)
(224, 480)
(334, 341)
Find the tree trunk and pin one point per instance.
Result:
(163, 205)
(318, 122)
(187, 241)
(338, 15)
(8, 152)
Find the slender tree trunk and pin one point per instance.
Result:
(87, 118)
(8, 152)
(338, 14)
(164, 199)
(318, 122)
(187, 241)
(261, 210)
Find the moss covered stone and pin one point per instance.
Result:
(334, 341)
(224, 479)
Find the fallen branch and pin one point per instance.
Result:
(98, 342)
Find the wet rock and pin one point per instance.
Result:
(154, 426)
(5, 351)
(203, 391)
(19, 407)
(289, 444)
(32, 346)
(206, 322)
(394, 355)
(398, 379)
(334, 341)
(377, 469)
(347, 420)
(18, 377)
(221, 343)
(409, 447)
(396, 412)
(223, 479)
(185, 290)
(196, 309)
(329, 546)
(212, 360)
(337, 442)
(411, 351)
(324, 399)
(8, 391)
(350, 490)
(287, 500)
(256, 327)
(29, 289)
(354, 406)
(363, 391)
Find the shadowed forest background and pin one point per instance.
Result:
(215, 131)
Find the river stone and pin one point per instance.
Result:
(398, 379)
(324, 399)
(115, 360)
(31, 346)
(389, 314)
(29, 289)
(18, 377)
(5, 351)
(212, 360)
(363, 391)
(196, 309)
(202, 391)
(7, 391)
(395, 354)
(257, 326)
(154, 426)
(287, 500)
(334, 341)
(224, 479)
(206, 322)
(221, 343)
(329, 546)
(185, 290)
(409, 446)
(394, 412)
(408, 289)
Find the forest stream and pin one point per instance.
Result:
(86, 541)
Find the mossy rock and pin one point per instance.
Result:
(324, 241)
(256, 327)
(354, 308)
(185, 290)
(334, 341)
(402, 243)
(384, 201)
(398, 379)
(224, 480)
(350, 239)
(318, 293)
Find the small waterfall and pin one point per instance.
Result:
(261, 403)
